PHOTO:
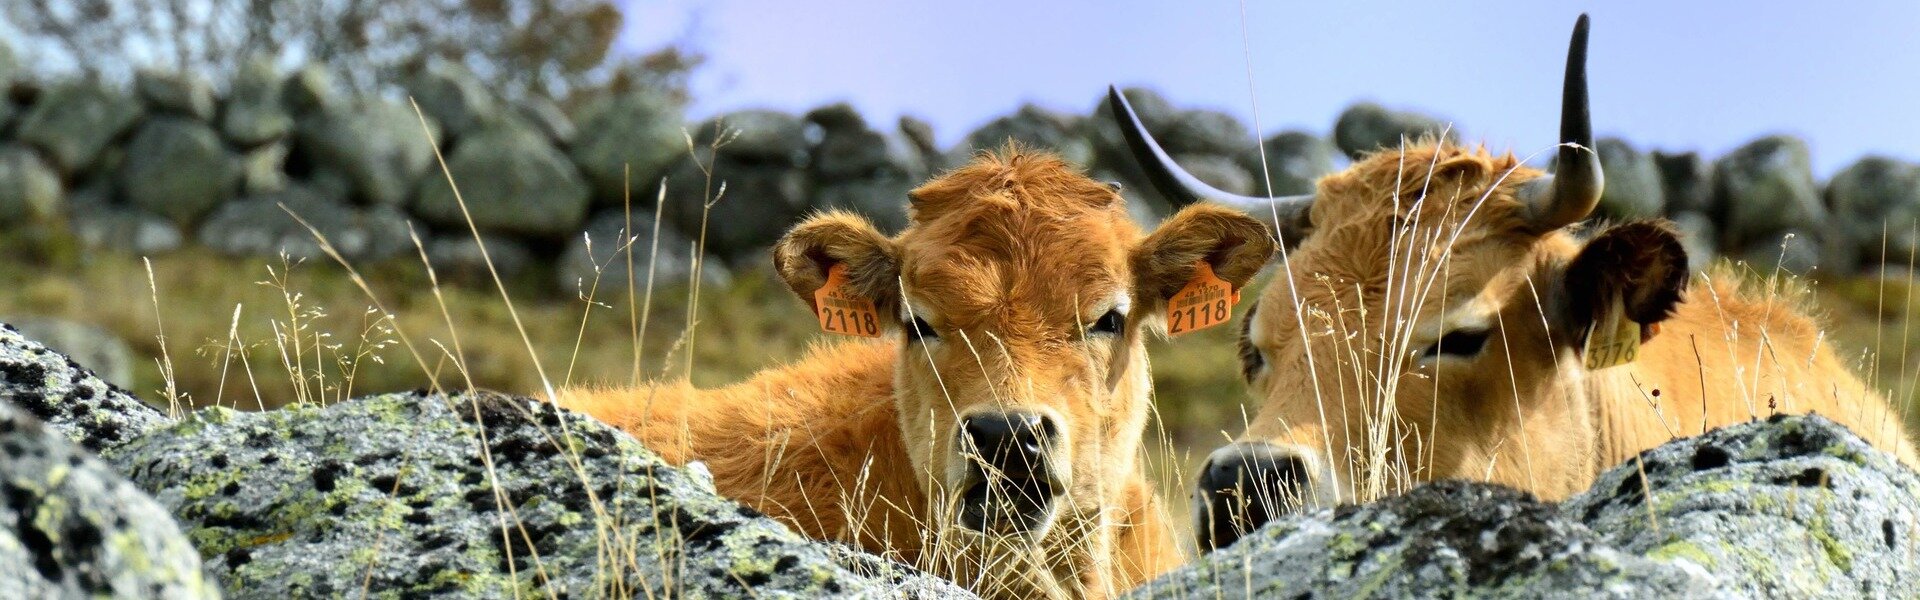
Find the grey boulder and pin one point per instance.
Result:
(1367, 127)
(1686, 180)
(1764, 188)
(476, 495)
(597, 259)
(178, 168)
(29, 188)
(638, 133)
(456, 257)
(454, 97)
(758, 137)
(759, 202)
(125, 229)
(512, 180)
(1876, 205)
(377, 145)
(1294, 161)
(259, 226)
(111, 357)
(73, 123)
(253, 113)
(1634, 189)
(184, 94)
(1032, 127)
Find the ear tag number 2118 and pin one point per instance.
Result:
(842, 311)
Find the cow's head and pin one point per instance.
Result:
(1021, 292)
(1431, 323)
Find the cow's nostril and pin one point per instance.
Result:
(1013, 440)
(1245, 485)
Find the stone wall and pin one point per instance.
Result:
(173, 160)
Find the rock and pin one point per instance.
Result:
(313, 89)
(390, 494)
(640, 129)
(1445, 539)
(758, 205)
(178, 168)
(757, 137)
(253, 114)
(1366, 127)
(1294, 161)
(882, 200)
(377, 145)
(1686, 180)
(1765, 188)
(125, 229)
(454, 98)
(669, 257)
(849, 150)
(1634, 187)
(456, 258)
(1033, 127)
(547, 117)
(1206, 132)
(920, 134)
(1792, 251)
(73, 122)
(111, 357)
(513, 181)
(1875, 205)
(1792, 507)
(69, 398)
(258, 226)
(263, 169)
(29, 189)
(72, 528)
(183, 94)
(1218, 171)
(1696, 236)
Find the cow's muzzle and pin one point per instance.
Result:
(1010, 485)
(1246, 484)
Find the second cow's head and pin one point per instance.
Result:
(1432, 322)
(1022, 292)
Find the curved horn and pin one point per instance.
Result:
(1572, 192)
(1182, 188)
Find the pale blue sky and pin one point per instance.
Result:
(1666, 74)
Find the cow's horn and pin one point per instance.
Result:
(1182, 188)
(1574, 189)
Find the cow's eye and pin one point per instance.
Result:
(1110, 323)
(919, 329)
(1463, 343)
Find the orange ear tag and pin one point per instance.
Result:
(1206, 301)
(843, 312)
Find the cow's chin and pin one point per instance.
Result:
(1020, 506)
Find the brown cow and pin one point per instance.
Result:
(1445, 316)
(996, 439)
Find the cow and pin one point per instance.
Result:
(993, 435)
(1441, 311)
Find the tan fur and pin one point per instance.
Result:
(1406, 241)
(1008, 259)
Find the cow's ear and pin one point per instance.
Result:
(1640, 264)
(811, 249)
(1233, 243)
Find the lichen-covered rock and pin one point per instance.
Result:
(453, 97)
(1366, 127)
(512, 180)
(378, 145)
(478, 495)
(178, 168)
(68, 397)
(1447, 539)
(1203, 131)
(74, 122)
(72, 528)
(111, 358)
(1793, 507)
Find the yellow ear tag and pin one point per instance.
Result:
(1613, 340)
(843, 312)
(1206, 301)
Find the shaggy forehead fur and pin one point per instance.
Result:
(1017, 240)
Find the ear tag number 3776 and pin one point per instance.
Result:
(842, 311)
(1613, 340)
(1206, 301)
